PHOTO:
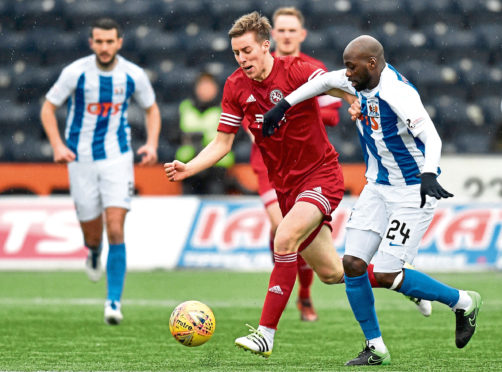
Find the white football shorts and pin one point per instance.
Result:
(97, 185)
(394, 213)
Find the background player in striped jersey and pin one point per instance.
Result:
(98, 147)
(402, 151)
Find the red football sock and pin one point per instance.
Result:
(305, 277)
(282, 281)
(371, 276)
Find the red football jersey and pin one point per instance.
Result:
(306, 58)
(300, 148)
(329, 111)
(329, 104)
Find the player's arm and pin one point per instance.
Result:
(352, 100)
(329, 107)
(333, 83)
(347, 97)
(429, 184)
(406, 103)
(62, 154)
(210, 155)
(152, 123)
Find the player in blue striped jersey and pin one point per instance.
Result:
(97, 147)
(402, 150)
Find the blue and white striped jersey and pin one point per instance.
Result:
(392, 116)
(96, 123)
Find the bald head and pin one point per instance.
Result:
(364, 59)
(365, 46)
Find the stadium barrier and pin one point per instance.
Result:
(473, 178)
(48, 178)
(232, 232)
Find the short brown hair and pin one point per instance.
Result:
(289, 11)
(253, 22)
(106, 24)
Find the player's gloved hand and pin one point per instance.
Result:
(273, 116)
(431, 187)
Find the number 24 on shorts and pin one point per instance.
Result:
(395, 226)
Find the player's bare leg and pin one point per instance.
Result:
(274, 216)
(115, 220)
(93, 235)
(116, 263)
(305, 272)
(323, 258)
(301, 221)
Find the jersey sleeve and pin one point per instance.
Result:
(144, 94)
(300, 72)
(406, 103)
(63, 87)
(320, 83)
(231, 112)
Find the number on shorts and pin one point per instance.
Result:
(395, 224)
(130, 187)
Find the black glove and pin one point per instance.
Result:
(431, 187)
(273, 116)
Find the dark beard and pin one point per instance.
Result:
(363, 83)
(105, 65)
(360, 86)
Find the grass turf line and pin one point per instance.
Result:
(54, 321)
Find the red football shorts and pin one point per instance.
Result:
(324, 191)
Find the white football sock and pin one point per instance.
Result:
(464, 301)
(269, 334)
(378, 344)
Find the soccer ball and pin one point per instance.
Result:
(192, 323)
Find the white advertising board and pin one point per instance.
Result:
(473, 178)
(43, 232)
(224, 233)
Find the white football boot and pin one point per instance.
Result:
(255, 342)
(424, 306)
(113, 315)
(93, 266)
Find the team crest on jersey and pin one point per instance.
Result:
(275, 96)
(373, 108)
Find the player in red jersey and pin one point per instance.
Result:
(288, 33)
(302, 165)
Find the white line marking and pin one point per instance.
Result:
(339, 303)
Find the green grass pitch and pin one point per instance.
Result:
(54, 321)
